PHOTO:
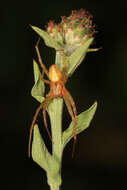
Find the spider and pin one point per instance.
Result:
(57, 81)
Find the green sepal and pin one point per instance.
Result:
(77, 57)
(83, 123)
(38, 89)
(93, 49)
(49, 41)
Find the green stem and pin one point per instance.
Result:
(55, 113)
(54, 187)
(59, 60)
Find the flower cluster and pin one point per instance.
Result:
(73, 30)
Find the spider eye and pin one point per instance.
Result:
(54, 73)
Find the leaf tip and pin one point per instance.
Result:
(34, 62)
(33, 27)
(95, 104)
(30, 25)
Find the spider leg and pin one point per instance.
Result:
(46, 81)
(32, 126)
(39, 58)
(43, 104)
(42, 75)
(64, 68)
(46, 102)
(64, 62)
(73, 105)
(42, 78)
(72, 111)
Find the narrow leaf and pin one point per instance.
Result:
(49, 41)
(76, 58)
(83, 122)
(44, 159)
(38, 89)
(40, 153)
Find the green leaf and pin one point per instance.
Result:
(76, 58)
(38, 89)
(49, 41)
(44, 159)
(83, 123)
(40, 153)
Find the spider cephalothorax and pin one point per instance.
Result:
(56, 82)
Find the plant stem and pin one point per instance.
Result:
(54, 188)
(59, 60)
(55, 112)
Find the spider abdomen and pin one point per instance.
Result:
(57, 89)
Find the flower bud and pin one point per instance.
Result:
(72, 31)
(55, 30)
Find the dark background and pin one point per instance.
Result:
(100, 160)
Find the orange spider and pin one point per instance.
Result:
(56, 82)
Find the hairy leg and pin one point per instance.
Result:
(46, 102)
(72, 104)
(73, 116)
(32, 126)
(46, 81)
(43, 105)
(64, 68)
(42, 75)
(42, 78)
(39, 58)
(64, 62)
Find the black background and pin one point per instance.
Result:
(100, 160)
